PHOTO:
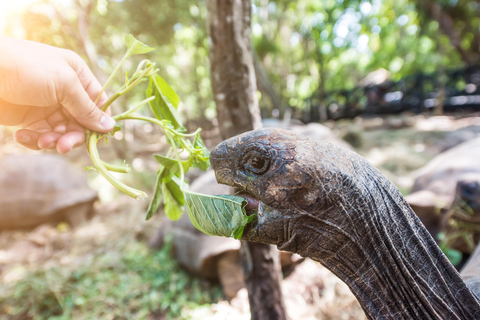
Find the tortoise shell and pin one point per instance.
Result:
(38, 188)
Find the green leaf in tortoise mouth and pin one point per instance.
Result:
(219, 215)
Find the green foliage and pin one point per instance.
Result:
(453, 255)
(133, 285)
(332, 45)
(166, 101)
(135, 47)
(220, 215)
(163, 101)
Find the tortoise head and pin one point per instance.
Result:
(263, 164)
(469, 191)
(278, 172)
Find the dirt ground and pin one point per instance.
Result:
(397, 145)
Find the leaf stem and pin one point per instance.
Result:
(120, 169)
(127, 54)
(92, 150)
(125, 115)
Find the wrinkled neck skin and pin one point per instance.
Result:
(368, 236)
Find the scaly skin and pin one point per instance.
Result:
(329, 204)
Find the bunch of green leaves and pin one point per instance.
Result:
(163, 103)
(216, 215)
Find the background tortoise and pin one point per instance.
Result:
(329, 204)
(42, 188)
(441, 183)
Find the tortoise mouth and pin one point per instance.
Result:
(252, 202)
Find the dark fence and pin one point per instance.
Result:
(455, 90)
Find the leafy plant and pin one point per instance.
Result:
(215, 215)
(163, 102)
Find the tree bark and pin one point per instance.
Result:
(234, 89)
(263, 274)
(231, 63)
(83, 25)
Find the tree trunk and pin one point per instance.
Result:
(263, 273)
(234, 90)
(231, 64)
(83, 25)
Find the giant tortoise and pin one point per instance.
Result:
(446, 184)
(216, 257)
(327, 203)
(42, 188)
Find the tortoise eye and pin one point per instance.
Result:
(256, 163)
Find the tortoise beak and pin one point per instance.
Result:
(223, 164)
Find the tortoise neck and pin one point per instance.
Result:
(383, 253)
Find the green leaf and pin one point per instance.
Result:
(157, 196)
(164, 107)
(174, 187)
(237, 233)
(172, 208)
(172, 166)
(454, 256)
(117, 127)
(201, 156)
(167, 91)
(166, 161)
(136, 47)
(222, 215)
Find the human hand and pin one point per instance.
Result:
(49, 93)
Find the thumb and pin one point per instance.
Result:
(73, 97)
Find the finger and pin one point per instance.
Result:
(35, 115)
(58, 121)
(87, 78)
(27, 138)
(69, 141)
(48, 140)
(75, 99)
(57, 117)
(40, 126)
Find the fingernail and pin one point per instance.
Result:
(51, 145)
(25, 139)
(107, 122)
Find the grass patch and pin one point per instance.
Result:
(131, 283)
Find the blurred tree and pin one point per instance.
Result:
(311, 47)
(234, 91)
(459, 20)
